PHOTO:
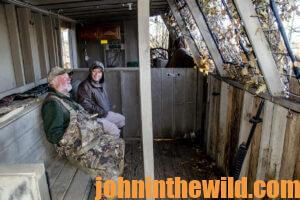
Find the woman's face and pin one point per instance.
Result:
(97, 74)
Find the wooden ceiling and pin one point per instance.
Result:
(100, 10)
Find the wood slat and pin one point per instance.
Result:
(225, 116)
(78, 187)
(55, 169)
(156, 87)
(49, 28)
(233, 127)
(201, 100)
(179, 102)
(208, 110)
(130, 104)
(291, 146)
(113, 85)
(264, 151)
(167, 103)
(27, 43)
(277, 141)
(255, 147)
(62, 183)
(245, 128)
(15, 44)
(190, 88)
(42, 44)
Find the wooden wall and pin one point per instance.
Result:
(275, 147)
(30, 45)
(22, 139)
(173, 99)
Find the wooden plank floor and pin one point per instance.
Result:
(171, 158)
(178, 158)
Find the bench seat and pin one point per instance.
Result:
(67, 182)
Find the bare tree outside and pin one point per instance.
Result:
(159, 38)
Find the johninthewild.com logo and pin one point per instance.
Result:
(175, 188)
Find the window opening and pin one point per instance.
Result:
(65, 34)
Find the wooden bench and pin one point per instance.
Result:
(22, 140)
(66, 182)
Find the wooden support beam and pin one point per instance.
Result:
(172, 30)
(15, 44)
(83, 3)
(260, 45)
(207, 37)
(73, 46)
(24, 19)
(57, 41)
(145, 86)
(277, 141)
(50, 41)
(42, 44)
(194, 49)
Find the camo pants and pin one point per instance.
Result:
(86, 145)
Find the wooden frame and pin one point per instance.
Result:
(145, 86)
(207, 37)
(261, 47)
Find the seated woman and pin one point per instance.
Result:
(76, 135)
(93, 98)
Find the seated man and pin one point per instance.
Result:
(180, 57)
(93, 97)
(76, 135)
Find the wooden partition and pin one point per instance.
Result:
(22, 138)
(274, 151)
(173, 99)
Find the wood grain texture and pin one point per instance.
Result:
(264, 150)
(277, 141)
(291, 146)
(245, 127)
(255, 146)
(224, 126)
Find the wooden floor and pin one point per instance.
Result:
(178, 158)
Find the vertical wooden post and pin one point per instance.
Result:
(50, 41)
(15, 44)
(260, 45)
(145, 86)
(73, 46)
(42, 44)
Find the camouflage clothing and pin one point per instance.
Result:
(86, 145)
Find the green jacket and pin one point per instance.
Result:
(55, 116)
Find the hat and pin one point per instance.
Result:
(97, 64)
(56, 71)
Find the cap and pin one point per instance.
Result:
(56, 71)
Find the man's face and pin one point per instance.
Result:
(62, 83)
(97, 74)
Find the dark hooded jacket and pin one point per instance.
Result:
(93, 96)
(180, 57)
